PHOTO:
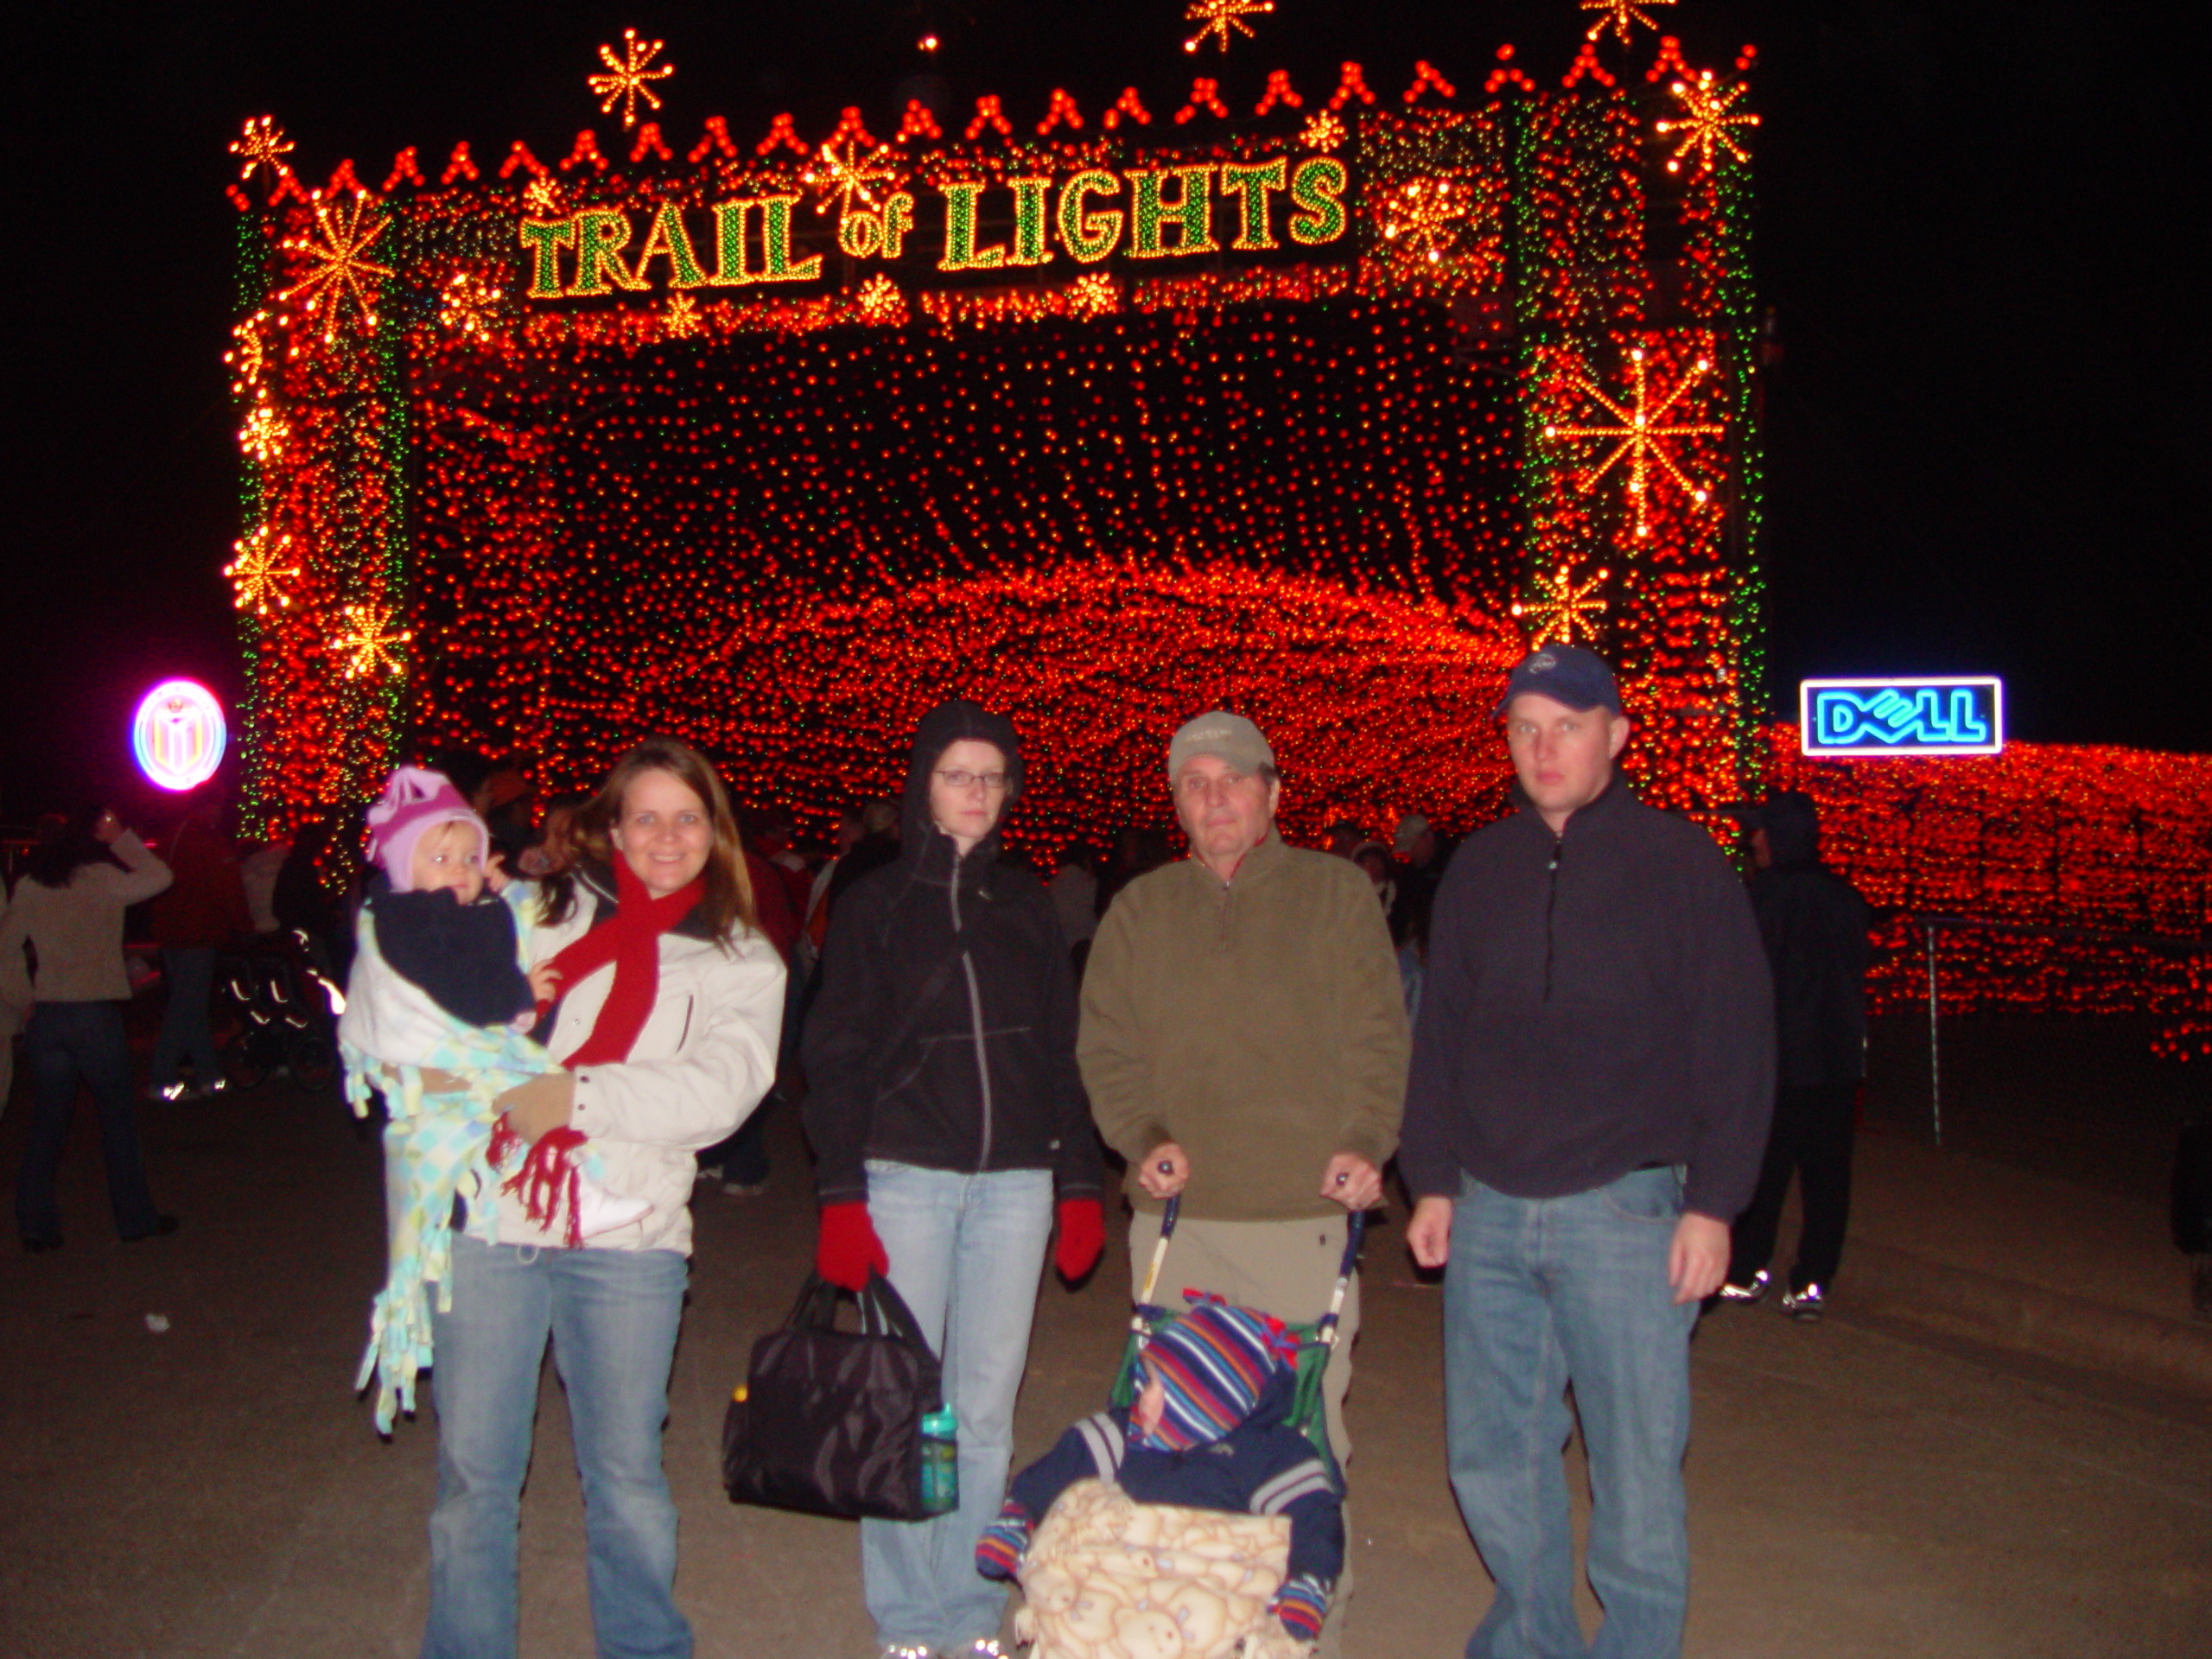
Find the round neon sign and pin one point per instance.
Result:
(178, 733)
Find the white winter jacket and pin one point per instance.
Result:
(706, 1057)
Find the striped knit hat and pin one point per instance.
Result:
(1214, 1361)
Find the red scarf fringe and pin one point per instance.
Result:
(546, 1182)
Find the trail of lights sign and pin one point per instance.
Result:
(1319, 397)
(1170, 214)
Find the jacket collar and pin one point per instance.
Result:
(1603, 810)
(598, 879)
(1268, 856)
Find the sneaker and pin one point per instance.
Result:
(599, 1211)
(906, 1651)
(745, 1189)
(983, 1647)
(1732, 1292)
(1803, 1304)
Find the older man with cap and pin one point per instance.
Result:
(1244, 1044)
(1591, 1083)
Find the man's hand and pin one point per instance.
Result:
(1698, 1259)
(1428, 1236)
(106, 827)
(545, 1102)
(1165, 1170)
(1350, 1180)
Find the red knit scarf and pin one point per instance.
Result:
(631, 942)
(546, 1182)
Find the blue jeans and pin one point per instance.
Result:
(1538, 1293)
(612, 1315)
(189, 974)
(64, 1044)
(967, 1252)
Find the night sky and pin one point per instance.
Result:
(1970, 223)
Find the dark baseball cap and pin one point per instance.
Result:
(1566, 674)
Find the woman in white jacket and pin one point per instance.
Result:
(668, 999)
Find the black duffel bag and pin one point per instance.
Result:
(830, 1421)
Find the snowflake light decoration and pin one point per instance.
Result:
(682, 318)
(626, 84)
(1640, 434)
(255, 572)
(1706, 121)
(337, 263)
(368, 642)
(1217, 17)
(1094, 295)
(1423, 215)
(881, 300)
(543, 197)
(1323, 131)
(1561, 605)
(469, 306)
(852, 176)
(263, 434)
(1619, 13)
(262, 145)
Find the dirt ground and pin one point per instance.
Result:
(1860, 1487)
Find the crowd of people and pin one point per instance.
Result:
(1563, 1032)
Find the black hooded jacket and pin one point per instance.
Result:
(1814, 925)
(982, 1076)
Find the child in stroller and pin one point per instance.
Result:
(1209, 1434)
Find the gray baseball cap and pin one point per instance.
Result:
(1232, 737)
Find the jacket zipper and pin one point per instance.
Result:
(976, 1019)
(1551, 907)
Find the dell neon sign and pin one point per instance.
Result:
(1953, 715)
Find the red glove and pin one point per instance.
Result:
(1082, 1235)
(848, 1249)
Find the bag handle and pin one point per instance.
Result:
(883, 1309)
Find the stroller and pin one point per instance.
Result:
(1108, 1577)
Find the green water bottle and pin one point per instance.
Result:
(940, 1462)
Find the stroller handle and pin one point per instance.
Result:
(1354, 1231)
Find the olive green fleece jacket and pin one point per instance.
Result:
(1258, 1023)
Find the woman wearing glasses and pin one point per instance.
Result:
(946, 1112)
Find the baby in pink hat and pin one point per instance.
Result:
(440, 951)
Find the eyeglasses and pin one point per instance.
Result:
(994, 783)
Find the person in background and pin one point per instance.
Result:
(741, 1161)
(204, 909)
(1343, 839)
(554, 848)
(1591, 1080)
(947, 1115)
(1374, 857)
(816, 910)
(1244, 1044)
(11, 1023)
(1074, 887)
(303, 899)
(69, 907)
(1420, 865)
(1814, 925)
(258, 873)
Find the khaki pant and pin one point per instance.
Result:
(1288, 1268)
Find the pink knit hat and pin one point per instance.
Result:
(415, 799)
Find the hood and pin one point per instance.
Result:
(1793, 826)
(943, 726)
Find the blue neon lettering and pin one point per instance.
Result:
(1931, 716)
